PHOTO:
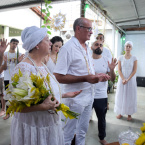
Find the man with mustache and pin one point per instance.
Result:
(102, 65)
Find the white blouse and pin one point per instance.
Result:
(39, 127)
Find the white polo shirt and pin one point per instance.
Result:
(101, 66)
(71, 61)
(106, 52)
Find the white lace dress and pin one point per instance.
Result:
(126, 95)
(40, 127)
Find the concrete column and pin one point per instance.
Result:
(6, 32)
(113, 40)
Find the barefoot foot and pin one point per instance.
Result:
(119, 116)
(129, 118)
(2, 113)
(6, 117)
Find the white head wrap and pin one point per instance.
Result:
(129, 42)
(31, 36)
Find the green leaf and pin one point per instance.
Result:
(48, 27)
(47, 10)
(48, 14)
(45, 5)
(44, 21)
(48, 2)
(49, 32)
(43, 10)
(43, 26)
(45, 17)
(50, 7)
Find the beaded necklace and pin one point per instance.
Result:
(51, 88)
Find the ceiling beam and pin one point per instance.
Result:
(26, 4)
(19, 6)
(136, 12)
(130, 20)
(136, 29)
(94, 4)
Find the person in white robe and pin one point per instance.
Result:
(126, 94)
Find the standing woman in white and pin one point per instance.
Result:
(126, 95)
(51, 60)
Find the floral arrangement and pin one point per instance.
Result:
(25, 91)
(141, 139)
(58, 22)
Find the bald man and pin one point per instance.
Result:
(75, 69)
(102, 65)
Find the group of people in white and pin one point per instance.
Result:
(83, 77)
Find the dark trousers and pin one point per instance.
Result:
(100, 106)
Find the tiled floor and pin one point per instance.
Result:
(113, 128)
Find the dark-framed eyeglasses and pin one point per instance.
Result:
(88, 28)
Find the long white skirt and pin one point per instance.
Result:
(36, 128)
(126, 97)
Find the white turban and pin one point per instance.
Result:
(129, 42)
(31, 36)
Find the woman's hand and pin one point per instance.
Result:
(48, 104)
(71, 94)
(124, 81)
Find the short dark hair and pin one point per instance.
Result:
(101, 34)
(56, 39)
(78, 22)
(14, 40)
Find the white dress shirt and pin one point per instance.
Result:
(71, 61)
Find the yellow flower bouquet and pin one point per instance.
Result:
(141, 139)
(25, 91)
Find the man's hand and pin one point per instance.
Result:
(3, 46)
(97, 78)
(113, 64)
(103, 77)
(71, 94)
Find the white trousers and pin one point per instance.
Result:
(77, 126)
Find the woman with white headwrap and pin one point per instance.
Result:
(126, 94)
(35, 125)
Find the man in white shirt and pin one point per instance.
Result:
(102, 65)
(11, 58)
(106, 52)
(75, 70)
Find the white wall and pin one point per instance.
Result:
(19, 19)
(138, 39)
